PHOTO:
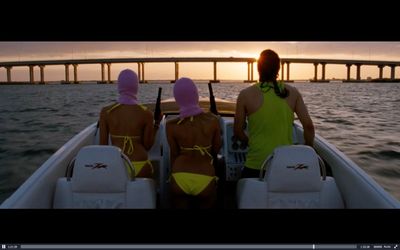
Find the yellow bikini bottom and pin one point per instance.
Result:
(138, 165)
(192, 184)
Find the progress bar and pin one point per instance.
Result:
(204, 246)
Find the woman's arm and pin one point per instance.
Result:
(103, 134)
(240, 118)
(217, 141)
(305, 119)
(149, 132)
(173, 144)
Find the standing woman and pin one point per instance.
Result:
(194, 137)
(269, 107)
(129, 125)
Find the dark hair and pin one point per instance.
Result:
(268, 66)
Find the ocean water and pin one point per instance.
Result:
(360, 119)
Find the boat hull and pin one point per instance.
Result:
(357, 188)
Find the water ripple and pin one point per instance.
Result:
(383, 154)
(392, 173)
(33, 152)
(339, 121)
(361, 119)
(393, 143)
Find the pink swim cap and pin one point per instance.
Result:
(187, 97)
(127, 87)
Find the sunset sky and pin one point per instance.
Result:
(22, 51)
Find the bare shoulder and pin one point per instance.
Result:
(248, 93)
(106, 108)
(147, 113)
(248, 90)
(293, 91)
(210, 118)
(291, 88)
(172, 121)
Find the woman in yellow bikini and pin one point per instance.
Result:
(193, 138)
(129, 125)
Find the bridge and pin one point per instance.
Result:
(347, 63)
(176, 60)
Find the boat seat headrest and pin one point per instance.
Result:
(99, 169)
(294, 169)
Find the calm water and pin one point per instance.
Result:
(361, 119)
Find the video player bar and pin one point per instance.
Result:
(204, 246)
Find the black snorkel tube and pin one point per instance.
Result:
(213, 105)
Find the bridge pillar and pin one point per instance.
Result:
(176, 71)
(392, 71)
(31, 74)
(250, 77)
(66, 73)
(248, 71)
(358, 72)
(142, 80)
(42, 74)
(252, 72)
(108, 72)
(8, 68)
(288, 71)
(139, 68)
(381, 71)
(323, 71)
(75, 73)
(316, 71)
(283, 71)
(215, 72)
(348, 71)
(102, 72)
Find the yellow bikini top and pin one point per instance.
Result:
(128, 140)
(201, 149)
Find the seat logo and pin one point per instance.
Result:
(298, 166)
(96, 165)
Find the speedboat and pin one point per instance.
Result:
(55, 184)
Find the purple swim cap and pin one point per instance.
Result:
(127, 87)
(187, 97)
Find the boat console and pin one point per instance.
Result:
(233, 151)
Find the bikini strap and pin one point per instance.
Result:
(181, 120)
(142, 106)
(202, 150)
(127, 140)
(116, 105)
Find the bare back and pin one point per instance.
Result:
(202, 131)
(128, 121)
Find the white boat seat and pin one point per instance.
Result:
(100, 180)
(292, 180)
